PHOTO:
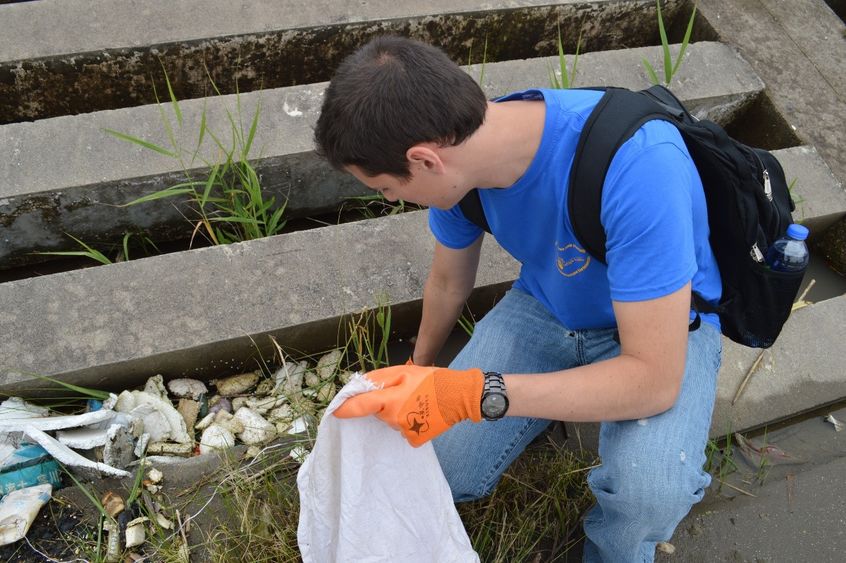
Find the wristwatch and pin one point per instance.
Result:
(494, 398)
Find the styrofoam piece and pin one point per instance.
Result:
(19, 508)
(164, 424)
(7, 423)
(17, 408)
(66, 455)
(185, 388)
(83, 438)
(216, 438)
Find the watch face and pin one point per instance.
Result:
(494, 405)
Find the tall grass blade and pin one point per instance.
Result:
(252, 134)
(210, 182)
(174, 102)
(178, 189)
(562, 62)
(126, 238)
(95, 254)
(94, 500)
(686, 40)
(575, 61)
(665, 45)
(653, 77)
(140, 142)
(165, 121)
(84, 391)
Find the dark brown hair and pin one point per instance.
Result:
(390, 95)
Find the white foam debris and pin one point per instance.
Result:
(83, 438)
(66, 455)
(17, 408)
(185, 388)
(8, 423)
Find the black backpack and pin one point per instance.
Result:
(748, 201)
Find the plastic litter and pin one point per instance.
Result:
(838, 426)
(28, 465)
(19, 508)
(367, 495)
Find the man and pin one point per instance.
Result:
(573, 339)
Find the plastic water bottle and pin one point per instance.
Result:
(790, 253)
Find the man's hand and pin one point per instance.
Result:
(421, 402)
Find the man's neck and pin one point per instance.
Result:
(503, 148)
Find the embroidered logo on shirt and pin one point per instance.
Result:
(571, 260)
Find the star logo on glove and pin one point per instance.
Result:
(415, 425)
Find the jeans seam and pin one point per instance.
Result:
(580, 348)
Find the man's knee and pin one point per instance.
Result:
(657, 497)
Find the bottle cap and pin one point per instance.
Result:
(798, 232)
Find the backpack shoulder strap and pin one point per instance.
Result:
(471, 206)
(616, 117)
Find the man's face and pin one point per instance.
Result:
(424, 187)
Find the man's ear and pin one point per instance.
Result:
(426, 156)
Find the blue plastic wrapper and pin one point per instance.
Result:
(29, 465)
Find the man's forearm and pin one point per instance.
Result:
(622, 388)
(441, 309)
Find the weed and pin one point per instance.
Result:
(94, 254)
(372, 206)
(98, 551)
(86, 252)
(764, 465)
(258, 512)
(369, 333)
(720, 461)
(534, 510)
(230, 203)
(670, 67)
(481, 79)
(467, 322)
(568, 79)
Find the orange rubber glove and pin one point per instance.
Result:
(421, 402)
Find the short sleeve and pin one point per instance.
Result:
(647, 213)
(452, 229)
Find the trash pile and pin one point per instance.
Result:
(165, 422)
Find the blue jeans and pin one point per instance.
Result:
(651, 472)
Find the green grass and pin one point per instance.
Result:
(568, 77)
(670, 67)
(229, 202)
(481, 79)
(534, 513)
(372, 206)
(368, 335)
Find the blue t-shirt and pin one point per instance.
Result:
(653, 211)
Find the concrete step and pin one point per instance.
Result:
(205, 311)
(100, 62)
(797, 48)
(66, 175)
(796, 515)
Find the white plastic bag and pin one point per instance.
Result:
(367, 496)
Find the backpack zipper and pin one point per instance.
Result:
(765, 177)
(768, 189)
(756, 254)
